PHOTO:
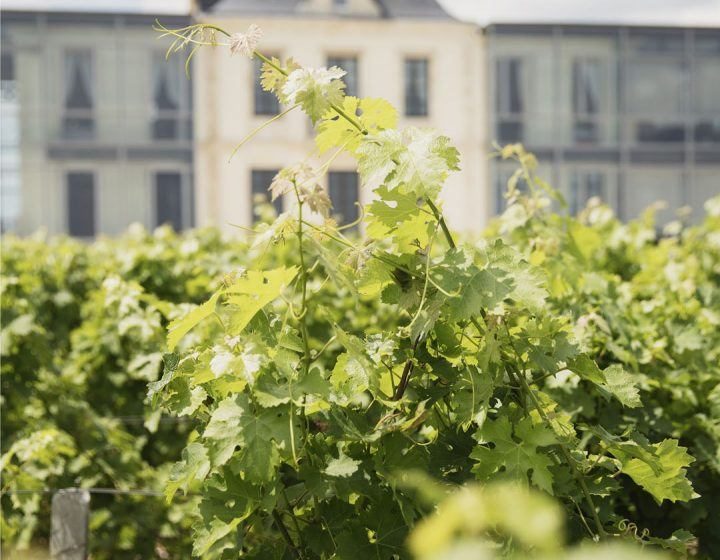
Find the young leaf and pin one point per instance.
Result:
(180, 327)
(250, 293)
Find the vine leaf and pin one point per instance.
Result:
(613, 379)
(180, 327)
(194, 466)
(400, 217)
(374, 115)
(257, 433)
(250, 293)
(664, 476)
(343, 466)
(415, 161)
(315, 89)
(514, 457)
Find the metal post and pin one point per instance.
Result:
(69, 525)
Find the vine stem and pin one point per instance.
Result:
(288, 539)
(563, 448)
(303, 285)
(441, 220)
(526, 389)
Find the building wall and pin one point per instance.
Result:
(224, 110)
(651, 130)
(122, 152)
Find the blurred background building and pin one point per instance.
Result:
(98, 130)
(629, 114)
(410, 52)
(96, 124)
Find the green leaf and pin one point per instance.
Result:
(180, 327)
(514, 459)
(400, 217)
(194, 467)
(253, 291)
(415, 161)
(257, 433)
(622, 386)
(343, 466)
(665, 478)
(334, 131)
(472, 392)
(315, 89)
(224, 431)
(612, 379)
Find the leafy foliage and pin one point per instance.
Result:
(475, 367)
(351, 398)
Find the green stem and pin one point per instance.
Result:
(288, 539)
(563, 448)
(441, 220)
(303, 288)
(259, 128)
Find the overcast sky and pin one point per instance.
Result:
(640, 12)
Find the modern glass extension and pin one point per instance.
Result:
(629, 114)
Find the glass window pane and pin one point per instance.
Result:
(657, 100)
(584, 186)
(81, 204)
(167, 84)
(350, 65)
(646, 186)
(168, 199)
(707, 99)
(587, 102)
(343, 191)
(261, 180)
(78, 122)
(416, 87)
(265, 102)
(509, 100)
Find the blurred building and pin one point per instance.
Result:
(630, 114)
(408, 51)
(96, 124)
(99, 130)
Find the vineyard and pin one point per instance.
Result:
(550, 389)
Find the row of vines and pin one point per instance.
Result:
(550, 389)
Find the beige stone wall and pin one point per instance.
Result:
(224, 106)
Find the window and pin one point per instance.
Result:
(10, 176)
(78, 121)
(340, 4)
(647, 185)
(586, 83)
(265, 101)
(584, 186)
(168, 199)
(81, 204)
(416, 87)
(343, 191)
(657, 91)
(706, 106)
(350, 65)
(509, 99)
(167, 84)
(261, 179)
